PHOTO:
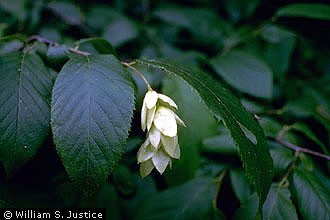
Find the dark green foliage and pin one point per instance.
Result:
(251, 80)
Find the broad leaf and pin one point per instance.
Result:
(244, 128)
(92, 107)
(312, 197)
(25, 91)
(245, 72)
(192, 200)
(278, 204)
(315, 11)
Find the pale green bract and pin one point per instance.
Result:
(161, 144)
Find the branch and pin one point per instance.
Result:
(279, 139)
(301, 149)
(52, 43)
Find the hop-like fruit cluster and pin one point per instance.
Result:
(161, 144)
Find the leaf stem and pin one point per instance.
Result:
(129, 65)
(284, 180)
(217, 191)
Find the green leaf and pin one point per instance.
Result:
(238, 9)
(206, 26)
(200, 124)
(243, 127)
(279, 50)
(240, 185)
(314, 11)
(310, 134)
(67, 11)
(192, 200)
(248, 208)
(10, 44)
(222, 144)
(96, 45)
(312, 197)
(278, 204)
(245, 72)
(57, 55)
(92, 107)
(120, 31)
(25, 91)
(282, 157)
(16, 8)
(106, 198)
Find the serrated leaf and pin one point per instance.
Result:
(92, 107)
(192, 200)
(312, 197)
(315, 11)
(255, 156)
(245, 72)
(25, 91)
(278, 204)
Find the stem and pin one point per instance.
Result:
(284, 180)
(73, 50)
(301, 149)
(279, 139)
(52, 43)
(129, 65)
(217, 190)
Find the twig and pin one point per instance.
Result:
(301, 149)
(283, 181)
(52, 43)
(219, 181)
(129, 65)
(41, 39)
(279, 139)
(73, 50)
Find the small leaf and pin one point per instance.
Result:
(25, 91)
(279, 50)
(240, 185)
(92, 107)
(57, 55)
(315, 11)
(256, 158)
(312, 197)
(192, 200)
(96, 45)
(278, 204)
(310, 134)
(245, 72)
(222, 144)
(69, 12)
(120, 31)
(248, 208)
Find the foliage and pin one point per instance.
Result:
(251, 81)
